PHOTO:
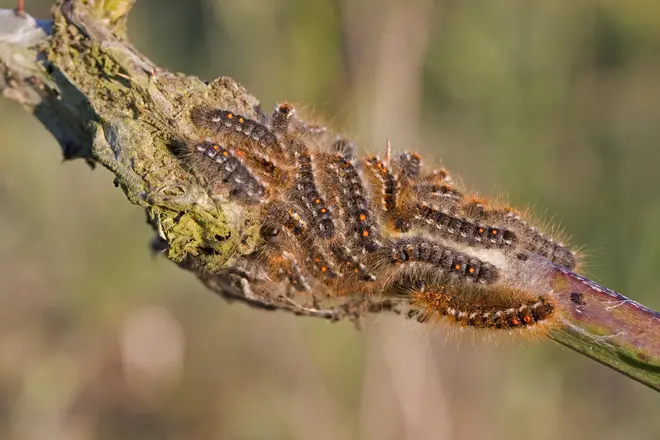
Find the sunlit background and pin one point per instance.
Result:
(554, 104)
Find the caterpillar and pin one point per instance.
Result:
(439, 303)
(334, 224)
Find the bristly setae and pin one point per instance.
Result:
(335, 224)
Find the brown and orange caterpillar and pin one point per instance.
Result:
(334, 224)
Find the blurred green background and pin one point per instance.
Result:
(555, 104)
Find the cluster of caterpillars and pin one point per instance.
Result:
(335, 224)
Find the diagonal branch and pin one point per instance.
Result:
(106, 103)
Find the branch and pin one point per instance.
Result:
(108, 104)
(608, 327)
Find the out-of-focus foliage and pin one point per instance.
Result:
(553, 103)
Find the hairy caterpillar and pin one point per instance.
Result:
(335, 224)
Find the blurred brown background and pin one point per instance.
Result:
(554, 103)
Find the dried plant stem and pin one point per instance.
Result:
(108, 104)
